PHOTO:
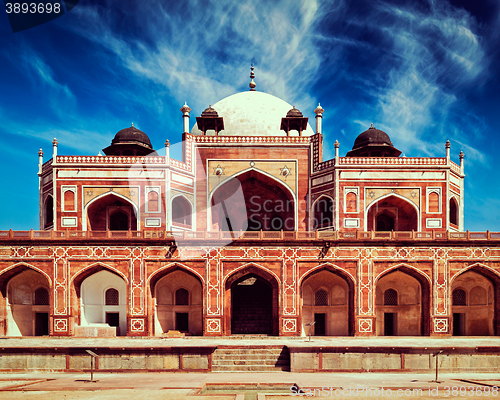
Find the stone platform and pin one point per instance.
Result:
(252, 353)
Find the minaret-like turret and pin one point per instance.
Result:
(54, 150)
(319, 117)
(185, 116)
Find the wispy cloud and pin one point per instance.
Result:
(204, 55)
(438, 54)
(57, 94)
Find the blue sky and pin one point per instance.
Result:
(422, 71)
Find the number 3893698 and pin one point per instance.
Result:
(32, 8)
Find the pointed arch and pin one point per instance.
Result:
(473, 319)
(423, 306)
(48, 211)
(15, 269)
(85, 216)
(385, 196)
(269, 295)
(328, 266)
(319, 215)
(267, 174)
(186, 209)
(283, 186)
(112, 193)
(168, 313)
(91, 269)
(165, 269)
(479, 268)
(453, 210)
(21, 285)
(253, 266)
(313, 280)
(403, 266)
(397, 196)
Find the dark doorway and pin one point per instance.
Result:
(458, 324)
(385, 222)
(118, 221)
(320, 324)
(41, 324)
(182, 321)
(113, 319)
(389, 324)
(251, 306)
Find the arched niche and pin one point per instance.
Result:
(402, 299)
(96, 307)
(48, 212)
(453, 212)
(181, 212)
(473, 303)
(333, 317)
(253, 201)
(323, 213)
(27, 302)
(111, 212)
(178, 302)
(251, 302)
(392, 213)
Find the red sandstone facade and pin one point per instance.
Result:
(252, 233)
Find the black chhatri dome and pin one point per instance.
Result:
(373, 143)
(130, 135)
(210, 112)
(130, 142)
(294, 113)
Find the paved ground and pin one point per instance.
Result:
(179, 385)
(153, 386)
(147, 342)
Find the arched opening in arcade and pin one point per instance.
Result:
(402, 298)
(327, 298)
(100, 295)
(453, 213)
(48, 212)
(251, 303)
(392, 213)
(181, 212)
(111, 212)
(474, 303)
(178, 302)
(253, 201)
(26, 302)
(323, 213)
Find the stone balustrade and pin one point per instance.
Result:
(155, 234)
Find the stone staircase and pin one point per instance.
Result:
(253, 359)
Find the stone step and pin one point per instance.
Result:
(250, 362)
(249, 368)
(239, 352)
(250, 357)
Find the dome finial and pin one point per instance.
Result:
(132, 125)
(252, 83)
(371, 125)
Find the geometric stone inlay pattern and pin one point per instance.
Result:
(213, 325)
(441, 325)
(365, 325)
(137, 325)
(60, 325)
(289, 325)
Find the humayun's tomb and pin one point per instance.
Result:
(252, 232)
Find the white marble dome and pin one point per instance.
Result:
(252, 114)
